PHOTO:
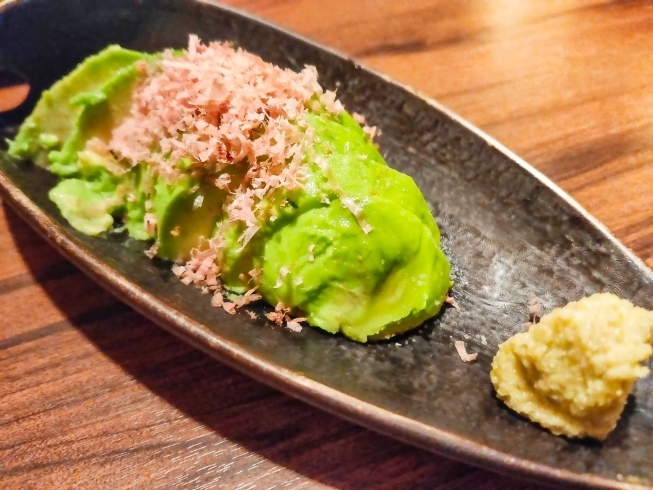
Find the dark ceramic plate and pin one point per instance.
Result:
(511, 234)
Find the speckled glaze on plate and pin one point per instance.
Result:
(510, 233)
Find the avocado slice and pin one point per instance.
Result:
(136, 187)
(87, 205)
(90, 202)
(52, 121)
(186, 212)
(366, 286)
(101, 111)
(356, 168)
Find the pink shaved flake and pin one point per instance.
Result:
(202, 269)
(248, 297)
(242, 209)
(255, 274)
(330, 102)
(371, 131)
(151, 252)
(142, 67)
(222, 182)
(150, 223)
(229, 307)
(294, 325)
(452, 301)
(251, 314)
(283, 272)
(276, 317)
(359, 118)
(534, 309)
(355, 209)
(247, 236)
(279, 314)
(462, 352)
(217, 301)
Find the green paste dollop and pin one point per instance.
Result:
(314, 256)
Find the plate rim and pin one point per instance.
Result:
(314, 393)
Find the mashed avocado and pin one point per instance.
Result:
(572, 372)
(352, 247)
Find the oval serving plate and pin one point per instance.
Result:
(510, 233)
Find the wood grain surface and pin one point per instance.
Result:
(94, 396)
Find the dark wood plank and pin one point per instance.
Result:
(95, 396)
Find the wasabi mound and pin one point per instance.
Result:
(573, 371)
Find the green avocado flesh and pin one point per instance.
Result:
(354, 250)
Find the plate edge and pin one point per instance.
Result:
(347, 407)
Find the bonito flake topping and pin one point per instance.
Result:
(221, 106)
(216, 106)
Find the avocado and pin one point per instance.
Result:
(136, 187)
(101, 111)
(366, 286)
(378, 284)
(54, 117)
(87, 205)
(354, 249)
(186, 212)
(87, 103)
(357, 168)
(234, 260)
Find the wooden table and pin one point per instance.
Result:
(92, 395)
